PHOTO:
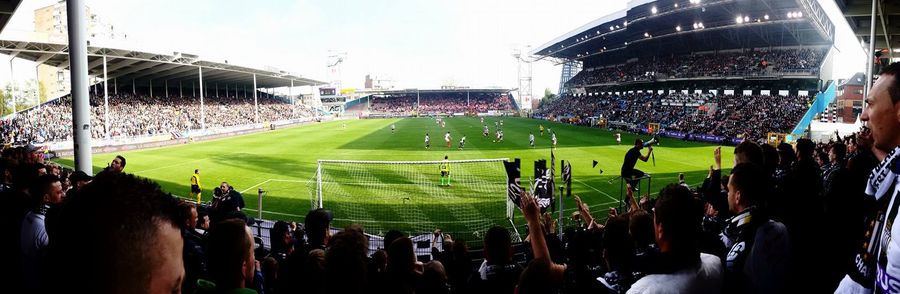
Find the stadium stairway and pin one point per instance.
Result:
(818, 106)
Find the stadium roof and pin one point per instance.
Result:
(7, 8)
(680, 26)
(143, 67)
(887, 25)
(437, 91)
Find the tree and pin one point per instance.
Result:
(549, 97)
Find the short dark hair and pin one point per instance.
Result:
(750, 180)
(618, 243)
(347, 261)
(391, 236)
(805, 149)
(401, 256)
(786, 153)
(229, 246)
(41, 187)
(122, 158)
(750, 151)
(105, 239)
(840, 151)
(497, 244)
(893, 69)
(679, 214)
(316, 222)
(196, 171)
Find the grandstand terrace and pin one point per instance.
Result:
(435, 102)
(149, 94)
(696, 67)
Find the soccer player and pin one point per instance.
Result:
(553, 138)
(542, 129)
(427, 141)
(443, 123)
(195, 184)
(462, 142)
(393, 127)
(501, 122)
(482, 120)
(531, 139)
(618, 138)
(447, 139)
(500, 135)
(486, 131)
(445, 172)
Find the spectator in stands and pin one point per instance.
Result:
(758, 248)
(304, 269)
(194, 254)
(346, 262)
(282, 240)
(232, 264)
(804, 206)
(435, 278)
(542, 274)
(618, 253)
(78, 180)
(498, 273)
(34, 240)
(122, 236)
(681, 268)
(404, 273)
(883, 117)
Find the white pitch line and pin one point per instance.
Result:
(595, 189)
(168, 166)
(254, 186)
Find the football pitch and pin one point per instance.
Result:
(283, 163)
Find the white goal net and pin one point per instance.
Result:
(409, 196)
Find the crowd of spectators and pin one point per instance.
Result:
(442, 103)
(754, 231)
(719, 115)
(801, 218)
(722, 64)
(141, 115)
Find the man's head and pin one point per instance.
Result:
(838, 153)
(225, 187)
(117, 164)
(196, 171)
(745, 186)
(122, 236)
(79, 179)
(230, 254)
(498, 246)
(806, 149)
(883, 110)
(48, 190)
(318, 226)
(676, 221)
(189, 215)
(748, 151)
(638, 143)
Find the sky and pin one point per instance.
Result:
(416, 44)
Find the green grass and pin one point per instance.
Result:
(282, 161)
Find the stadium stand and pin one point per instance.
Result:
(143, 115)
(440, 102)
(716, 115)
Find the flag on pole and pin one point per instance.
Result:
(513, 176)
(543, 191)
(567, 177)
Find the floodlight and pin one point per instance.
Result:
(653, 10)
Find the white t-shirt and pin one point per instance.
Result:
(427, 138)
(447, 137)
(707, 278)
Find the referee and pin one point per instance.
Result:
(195, 184)
(445, 172)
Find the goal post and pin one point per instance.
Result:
(410, 196)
